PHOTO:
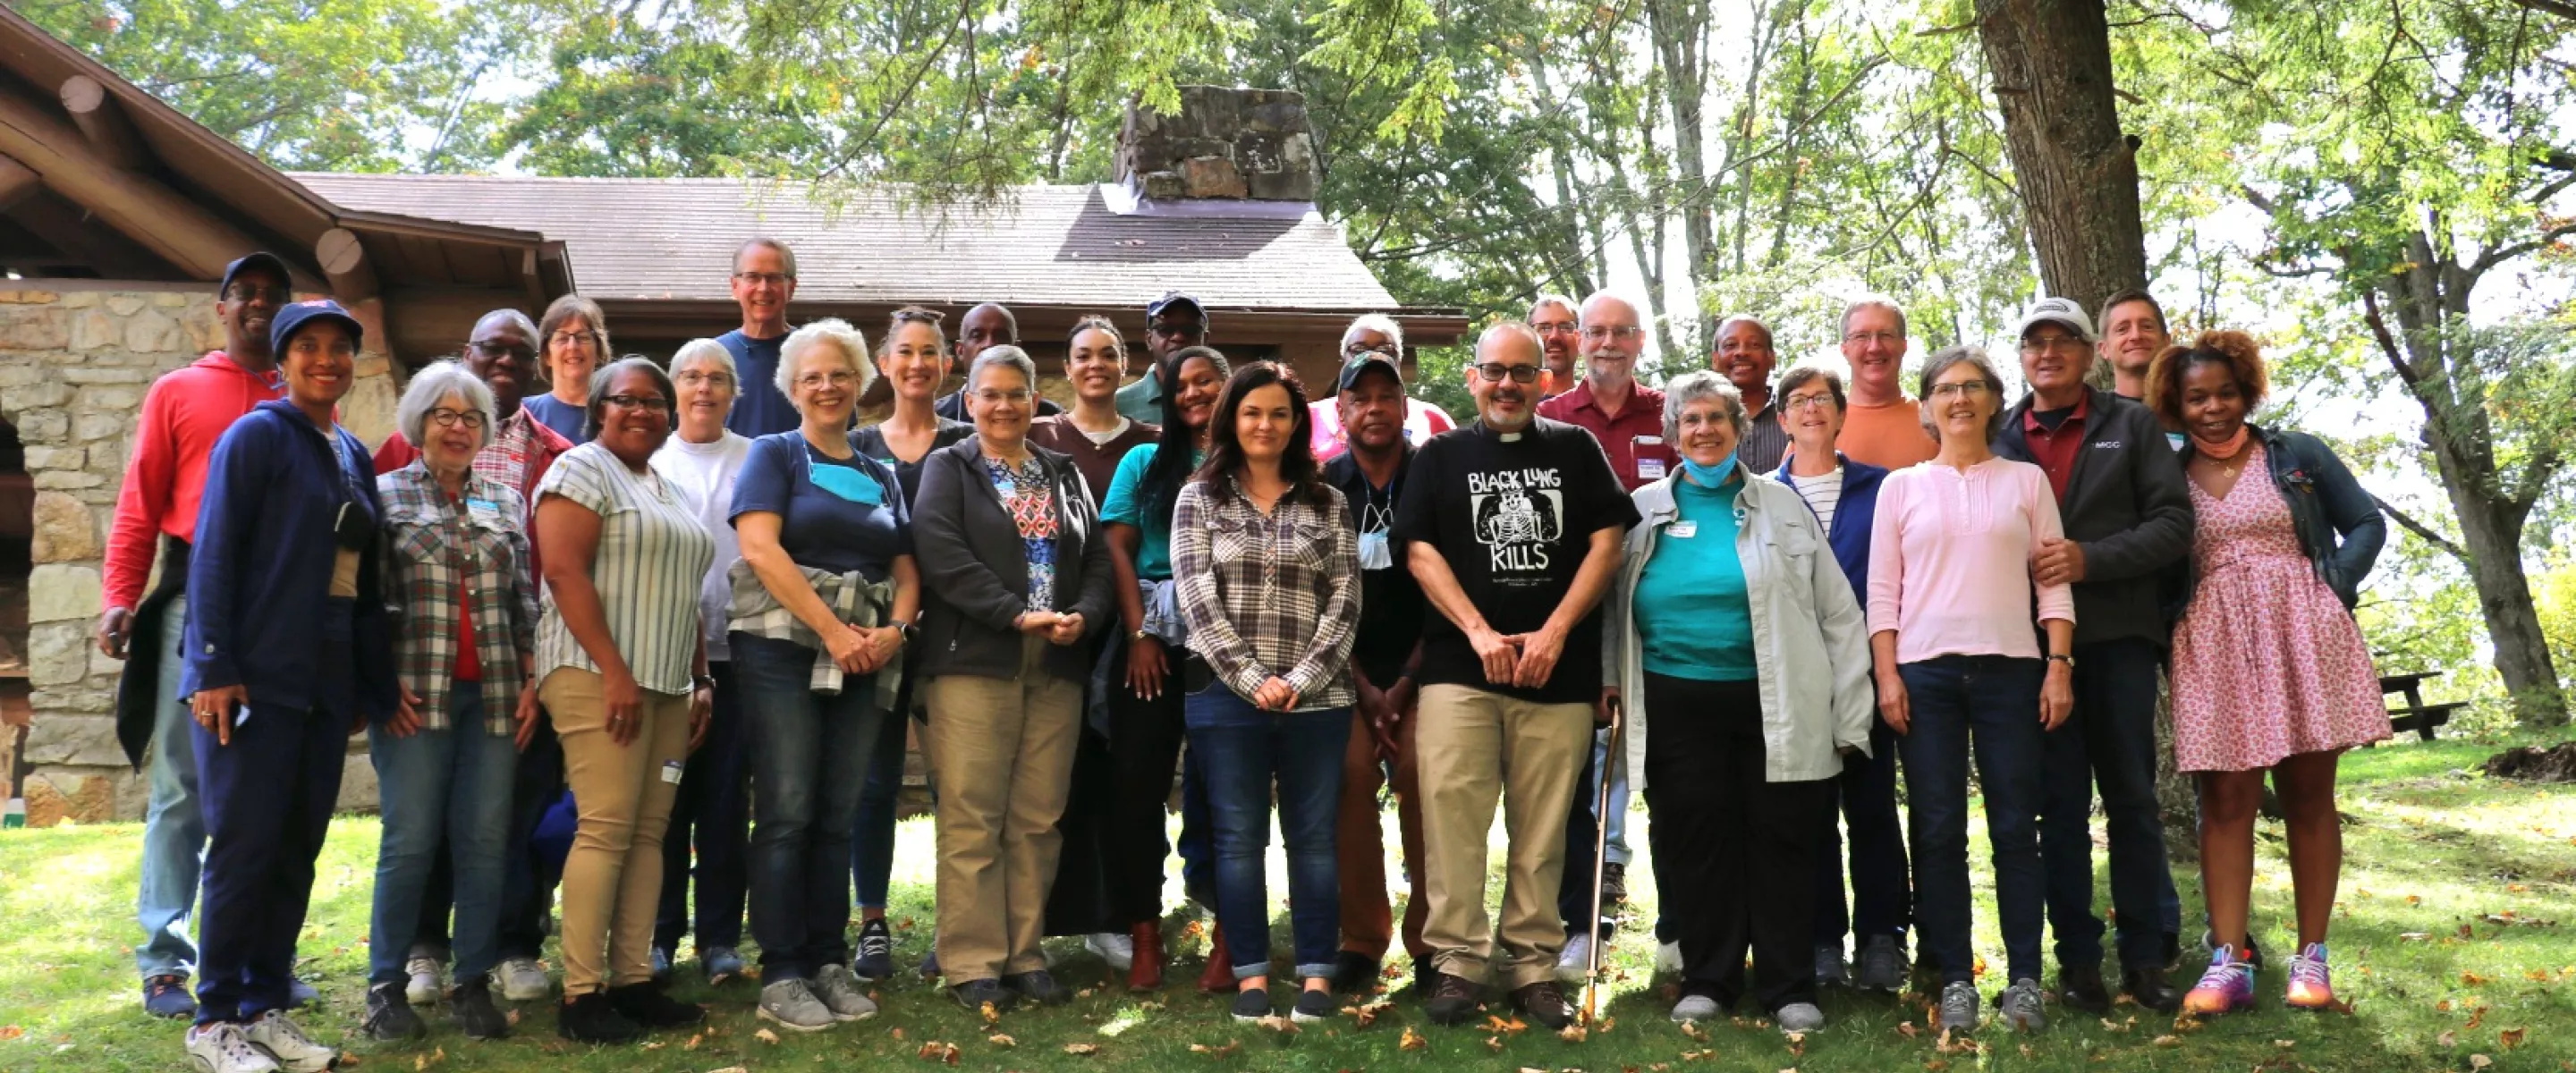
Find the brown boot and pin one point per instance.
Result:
(1219, 976)
(1146, 972)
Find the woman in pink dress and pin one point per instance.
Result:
(2269, 669)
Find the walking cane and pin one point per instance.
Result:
(1600, 853)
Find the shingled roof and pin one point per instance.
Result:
(669, 239)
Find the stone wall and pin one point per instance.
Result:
(75, 359)
(1223, 143)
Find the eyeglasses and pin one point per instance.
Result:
(774, 279)
(1390, 350)
(1556, 327)
(697, 378)
(562, 339)
(1883, 338)
(1816, 401)
(2052, 344)
(655, 403)
(497, 349)
(252, 292)
(1605, 332)
(1964, 389)
(840, 378)
(1493, 372)
(1015, 396)
(1184, 330)
(446, 418)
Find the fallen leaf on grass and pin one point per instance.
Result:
(765, 1036)
(1907, 1030)
(8, 1032)
(1084, 1050)
(2285, 1044)
(2416, 936)
(2471, 979)
(1412, 1040)
(2476, 1017)
(1226, 1051)
(1494, 1044)
(732, 1069)
(1278, 1024)
(655, 1045)
(1935, 1066)
(2168, 1041)
(2447, 1039)
(1575, 1034)
(2511, 1037)
(991, 1016)
(999, 1040)
(701, 1037)
(1694, 1031)
(2443, 1006)
(2480, 1061)
(1514, 1026)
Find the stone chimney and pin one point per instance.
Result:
(1226, 143)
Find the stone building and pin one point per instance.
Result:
(117, 214)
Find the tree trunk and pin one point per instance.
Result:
(2076, 173)
(2491, 534)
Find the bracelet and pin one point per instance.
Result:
(704, 681)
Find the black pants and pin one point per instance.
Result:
(1574, 889)
(528, 887)
(1144, 749)
(1738, 851)
(712, 812)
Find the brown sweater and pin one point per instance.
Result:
(1096, 462)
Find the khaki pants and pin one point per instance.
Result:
(1002, 752)
(1474, 745)
(612, 880)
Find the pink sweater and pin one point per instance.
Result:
(1949, 560)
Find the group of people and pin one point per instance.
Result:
(699, 612)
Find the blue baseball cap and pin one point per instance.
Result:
(298, 314)
(259, 259)
(1172, 299)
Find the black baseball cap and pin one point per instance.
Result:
(258, 259)
(1170, 299)
(298, 314)
(1368, 362)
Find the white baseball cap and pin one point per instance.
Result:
(2059, 311)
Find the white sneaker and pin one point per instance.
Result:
(294, 1051)
(523, 980)
(1570, 965)
(1118, 950)
(1668, 958)
(220, 1048)
(428, 979)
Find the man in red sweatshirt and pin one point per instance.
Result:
(184, 414)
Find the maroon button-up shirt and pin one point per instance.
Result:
(1633, 437)
(2055, 451)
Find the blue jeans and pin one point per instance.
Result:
(1615, 848)
(267, 800)
(174, 831)
(450, 786)
(712, 813)
(2110, 740)
(807, 751)
(1995, 701)
(872, 840)
(1242, 749)
(1882, 895)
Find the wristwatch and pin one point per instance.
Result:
(1141, 634)
(704, 681)
(2061, 657)
(905, 628)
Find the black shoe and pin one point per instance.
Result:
(590, 1019)
(876, 951)
(2082, 988)
(1424, 977)
(977, 994)
(1313, 1006)
(1545, 1003)
(1453, 999)
(1354, 973)
(1252, 1004)
(471, 1005)
(647, 1005)
(389, 1015)
(2150, 988)
(2172, 950)
(167, 996)
(1038, 986)
(1614, 884)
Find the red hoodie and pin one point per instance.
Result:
(184, 413)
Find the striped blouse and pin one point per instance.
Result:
(653, 555)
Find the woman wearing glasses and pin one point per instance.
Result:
(622, 669)
(572, 339)
(1950, 597)
(465, 617)
(1372, 335)
(1018, 577)
(823, 601)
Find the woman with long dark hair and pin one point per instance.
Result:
(1268, 568)
(1143, 698)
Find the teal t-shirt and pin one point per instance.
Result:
(1125, 505)
(1691, 609)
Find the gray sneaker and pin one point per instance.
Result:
(841, 993)
(791, 1005)
(523, 980)
(1958, 1007)
(1882, 965)
(1831, 969)
(1800, 1017)
(2020, 1004)
(1696, 1008)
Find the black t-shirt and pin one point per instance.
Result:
(871, 442)
(1391, 604)
(1513, 516)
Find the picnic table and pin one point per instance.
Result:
(2416, 715)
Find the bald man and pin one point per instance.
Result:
(982, 328)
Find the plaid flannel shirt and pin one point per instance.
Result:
(432, 544)
(1275, 594)
(853, 599)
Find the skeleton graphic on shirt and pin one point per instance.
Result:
(1519, 515)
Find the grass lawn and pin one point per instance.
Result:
(2449, 944)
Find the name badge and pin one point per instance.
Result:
(1651, 469)
(1682, 530)
(671, 772)
(482, 508)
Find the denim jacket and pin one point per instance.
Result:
(2326, 503)
(1810, 638)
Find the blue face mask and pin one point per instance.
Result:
(847, 483)
(1710, 476)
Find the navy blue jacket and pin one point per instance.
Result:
(1853, 516)
(2326, 503)
(259, 577)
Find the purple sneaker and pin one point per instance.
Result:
(2228, 986)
